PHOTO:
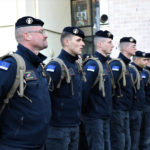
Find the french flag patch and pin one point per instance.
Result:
(115, 68)
(4, 65)
(50, 68)
(91, 68)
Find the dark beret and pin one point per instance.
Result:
(105, 34)
(28, 21)
(140, 54)
(128, 39)
(148, 55)
(74, 31)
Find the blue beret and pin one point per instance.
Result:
(140, 54)
(28, 21)
(74, 31)
(105, 34)
(128, 39)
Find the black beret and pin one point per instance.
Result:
(140, 54)
(128, 39)
(148, 55)
(74, 31)
(105, 34)
(28, 21)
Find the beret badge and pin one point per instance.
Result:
(75, 31)
(131, 39)
(109, 34)
(29, 20)
(144, 54)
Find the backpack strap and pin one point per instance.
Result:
(136, 82)
(123, 72)
(80, 70)
(64, 71)
(99, 77)
(19, 80)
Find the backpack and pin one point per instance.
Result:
(65, 73)
(99, 77)
(19, 80)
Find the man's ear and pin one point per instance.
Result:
(27, 36)
(66, 41)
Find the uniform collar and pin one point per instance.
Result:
(66, 56)
(34, 59)
(125, 59)
(100, 56)
(138, 67)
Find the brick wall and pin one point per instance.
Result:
(130, 18)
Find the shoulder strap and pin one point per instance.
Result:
(19, 80)
(137, 80)
(100, 74)
(123, 72)
(64, 71)
(80, 70)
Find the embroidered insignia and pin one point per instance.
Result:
(91, 68)
(29, 20)
(71, 72)
(115, 68)
(30, 75)
(4, 65)
(51, 68)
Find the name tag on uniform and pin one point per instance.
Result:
(91, 68)
(51, 68)
(143, 75)
(30, 75)
(4, 65)
(115, 68)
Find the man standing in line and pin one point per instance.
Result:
(24, 121)
(97, 94)
(136, 111)
(122, 99)
(145, 127)
(66, 92)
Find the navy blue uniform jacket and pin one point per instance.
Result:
(96, 106)
(66, 107)
(24, 124)
(122, 101)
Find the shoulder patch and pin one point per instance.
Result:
(50, 68)
(115, 68)
(143, 75)
(91, 68)
(4, 65)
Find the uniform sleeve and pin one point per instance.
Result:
(91, 71)
(116, 69)
(53, 70)
(7, 74)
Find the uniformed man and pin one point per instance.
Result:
(122, 99)
(145, 127)
(24, 121)
(97, 102)
(136, 69)
(66, 93)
